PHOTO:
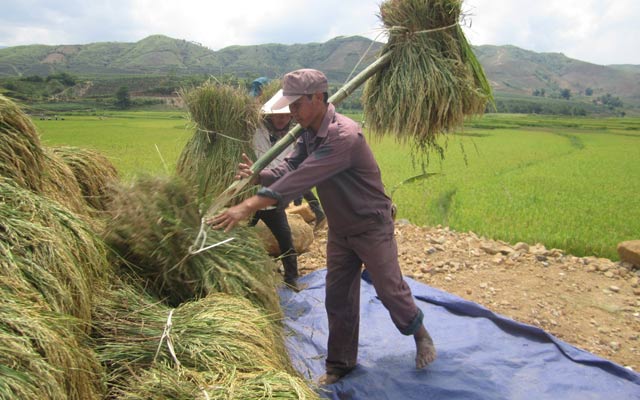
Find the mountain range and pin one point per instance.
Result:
(511, 70)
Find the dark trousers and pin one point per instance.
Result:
(314, 204)
(377, 249)
(276, 220)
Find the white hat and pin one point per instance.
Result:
(267, 108)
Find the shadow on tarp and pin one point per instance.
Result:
(481, 355)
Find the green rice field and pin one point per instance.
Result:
(569, 183)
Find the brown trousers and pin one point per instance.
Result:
(378, 250)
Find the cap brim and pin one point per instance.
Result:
(268, 107)
(284, 101)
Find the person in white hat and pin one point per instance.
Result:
(333, 155)
(275, 124)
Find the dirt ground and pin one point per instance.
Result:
(591, 303)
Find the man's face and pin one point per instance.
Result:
(280, 121)
(306, 111)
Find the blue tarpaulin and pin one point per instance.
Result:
(481, 355)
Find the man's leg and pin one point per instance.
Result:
(378, 249)
(342, 302)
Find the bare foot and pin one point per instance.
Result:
(328, 379)
(425, 350)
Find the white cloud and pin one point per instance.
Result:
(599, 31)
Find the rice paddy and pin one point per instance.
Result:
(569, 183)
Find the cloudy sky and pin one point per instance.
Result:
(597, 31)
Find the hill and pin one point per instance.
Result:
(515, 73)
(160, 54)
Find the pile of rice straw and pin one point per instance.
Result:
(433, 79)
(153, 224)
(61, 257)
(21, 156)
(221, 344)
(44, 354)
(93, 171)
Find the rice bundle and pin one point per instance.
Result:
(93, 171)
(225, 118)
(56, 253)
(220, 334)
(152, 225)
(21, 155)
(60, 184)
(433, 79)
(162, 381)
(42, 356)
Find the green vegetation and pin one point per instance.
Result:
(569, 183)
(135, 142)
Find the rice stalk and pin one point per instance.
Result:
(21, 155)
(60, 184)
(42, 355)
(93, 171)
(163, 381)
(53, 250)
(153, 224)
(433, 80)
(219, 334)
(225, 119)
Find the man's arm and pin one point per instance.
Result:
(232, 216)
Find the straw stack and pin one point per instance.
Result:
(93, 171)
(219, 344)
(153, 225)
(433, 79)
(43, 355)
(225, 119)
(60, 184)
(61, 258)
(21, 156)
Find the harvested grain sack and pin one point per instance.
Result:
(93, 171)
(225, 119)
(60, 257)
(153, 226)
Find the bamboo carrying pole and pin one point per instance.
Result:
(238, 186)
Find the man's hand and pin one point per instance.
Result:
(229, 218)
(244, 169)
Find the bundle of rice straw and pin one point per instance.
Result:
(162, 381)
(21, 155)
(93, 171)
(153, 224)
(59, 256)
(60, 184)
(42, 355)
(219, 334)
(225, 119)
(433, 79)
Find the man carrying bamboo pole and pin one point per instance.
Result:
(332, 155)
